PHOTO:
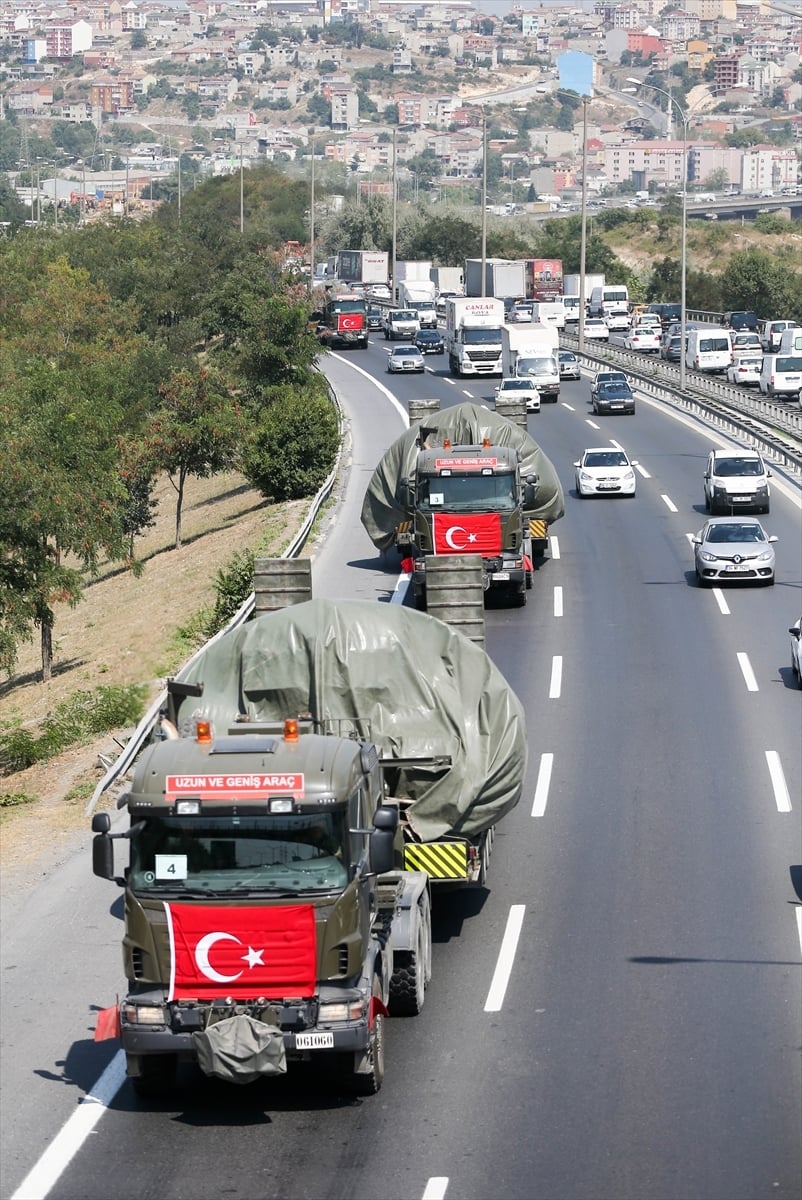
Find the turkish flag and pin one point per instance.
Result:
(469, 533)
(241, 952)
(350, 322)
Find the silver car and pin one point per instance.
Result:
(727, 549)
(405, 358)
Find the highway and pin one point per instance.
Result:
(619, 1015)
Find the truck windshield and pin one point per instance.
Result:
(348, 306)
(537, 366)
(481, 337)
(292, 852)
(468, 493)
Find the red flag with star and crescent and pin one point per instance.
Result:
(241, 952)
(467, 533)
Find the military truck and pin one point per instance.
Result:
(466, 480)
(314, 769)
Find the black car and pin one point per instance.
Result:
(430, 341)
(743, 320)
(375, 319)
(666, 312)
(615, 397)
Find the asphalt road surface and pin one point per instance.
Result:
(619, 1015)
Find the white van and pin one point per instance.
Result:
(791, 342)
(549, 312)
(781, 374)
(708, 349)
(771, 333)
(602, 299)
(571, 308)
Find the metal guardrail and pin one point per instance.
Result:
(142, 733)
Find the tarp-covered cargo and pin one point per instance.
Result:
(465, 425)
(421, 687)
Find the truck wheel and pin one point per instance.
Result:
(519, 598)
(367, 1083)
(412, 969)
(156, 1074)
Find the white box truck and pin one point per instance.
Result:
(531, 350)
(473, 335)
(549, 312)
(505, 278)
(418, 294)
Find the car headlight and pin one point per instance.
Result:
(766, 556)
(144, 1014)
(707, 557)
(628, 475)
(340, 1010)
(584, 475)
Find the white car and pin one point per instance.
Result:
(651, 319)
(746, 340)
(745, 369)
(644, 338)
(517, 389)
(605, 471)
(796, 651)
(617, 320)
(596, 328)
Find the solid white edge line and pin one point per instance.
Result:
(746, 671)
(436, 1188)
(361, 371)
(68, 1141)
(401, 586)
(799, 925)
(721, 602)
(554, 547)
(556, 677)
(669, 503)
(781, 794)
(558, 601)
(506, 958)
(543, 784)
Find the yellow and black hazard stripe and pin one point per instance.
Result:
(539, 530)
(440, 860)
(403, 533)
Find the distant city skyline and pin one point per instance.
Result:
(499, 8)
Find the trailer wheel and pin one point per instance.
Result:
(156, 1074)
(367, 1083)
(412, 969)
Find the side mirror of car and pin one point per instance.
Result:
(768, 474)
(796, 631)
(696, 540)
(576, 464)
(774, 538)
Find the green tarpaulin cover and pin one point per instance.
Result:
(424, 688)
(465, 425)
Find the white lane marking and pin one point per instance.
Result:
(556, 677)
(450, 382)
(554, 547)
(570, 407)
(361, 371)
(68, 1141)
(746, 671)
(558, 601)
(669, 503)
(436, 1188)
(543, 784)
(465, 392)
(642, 471)
(592, 424)
(690, 537)
(401, 588)
(721, 602)
(778, 782)
(506, 957)
(798, 915)
(617, 445)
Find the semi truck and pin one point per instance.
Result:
(411, 271)
(364, 267)
(418, 294)
(465, 480)
(313, 770)
(531, 349)
(343, 321)
(473, 335)
(504, 278)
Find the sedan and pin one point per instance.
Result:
(430, 341)
(597, 329)
(615, 397)
(796, 651)
(644, 338)
(405, 358)
(603, 471)
(746, 340)
(732, 548)
(516, 389)
(745, 369)
(569, 365)
(520, 313)
(671, 350)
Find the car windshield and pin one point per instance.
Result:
(615, 389)
(518, 385)
(610, 377)
(428, 335)
(468, 493)
(404, 351)
(405, 315)
(222, 854)
(606, 458)
(735, 533)
(729, 468)
(567, 356)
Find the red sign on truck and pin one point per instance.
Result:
(251, 785)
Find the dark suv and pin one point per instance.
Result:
(741, 320)
(666, 312)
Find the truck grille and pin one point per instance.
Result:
(476, 356)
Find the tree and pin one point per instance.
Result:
(195, 432)
(762, 282)
(292, 444)
(717, 180)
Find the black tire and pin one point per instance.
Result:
(529, 580)
(368, 1083)
(707, 503)
(519, 598)
(157, 1075)
(412, 969)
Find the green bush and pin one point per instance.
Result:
(293, 446)
(13, 799)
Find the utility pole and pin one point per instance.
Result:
(312, 221)
(395, 212)
(484, 203)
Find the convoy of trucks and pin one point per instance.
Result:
(314, 770)
(466, 480)
(531, 349)
(473, 335)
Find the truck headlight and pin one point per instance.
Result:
(340, 1010)
(144, 1014)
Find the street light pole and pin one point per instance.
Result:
(583, 241)
(684, 117)
(483, 291)
(312, 221)
(393, 298)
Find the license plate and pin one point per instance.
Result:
(616, 406)
(314, 1041)
(741, 499)
(736, 568)
(608, 487)
(501, 575)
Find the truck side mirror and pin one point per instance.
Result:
(103, 854)
(406, 493)
(530, 491)
(382, 839)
